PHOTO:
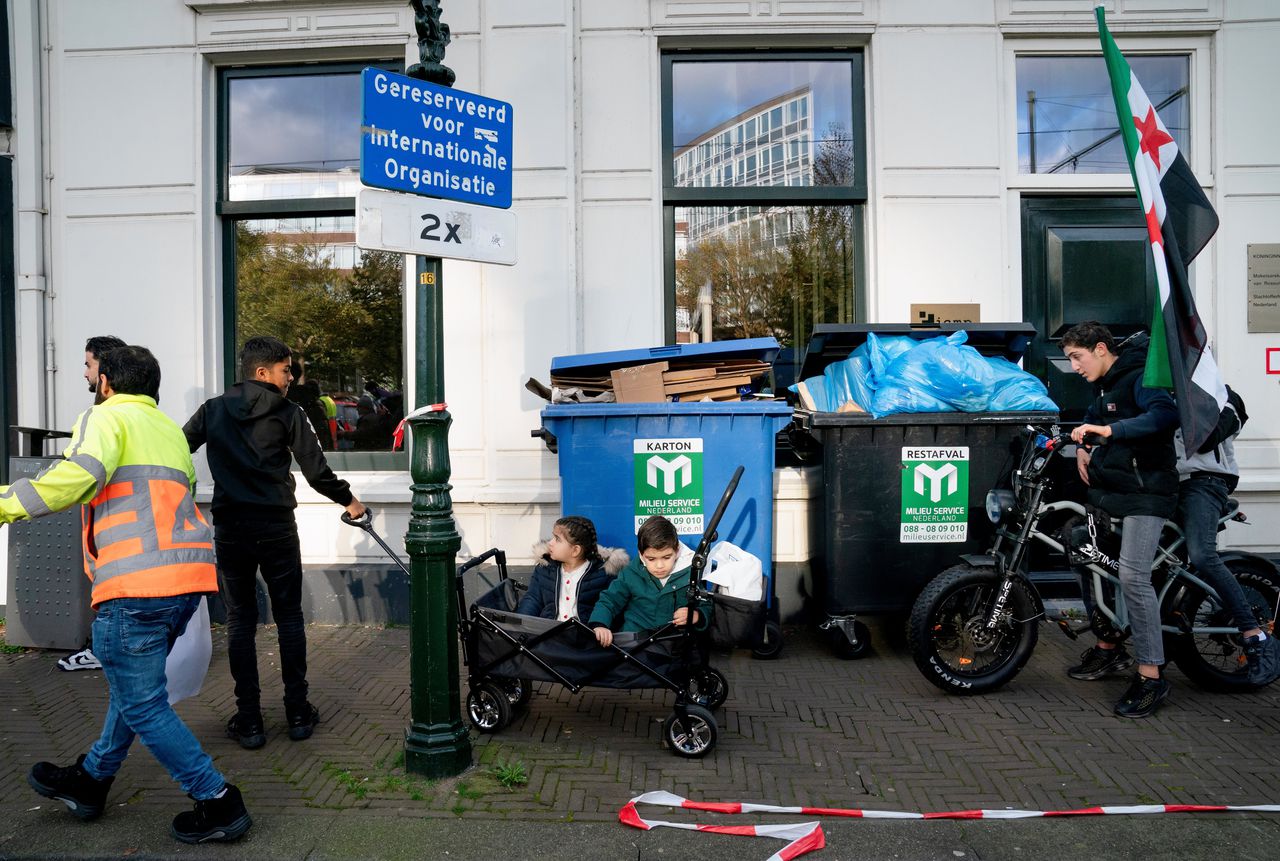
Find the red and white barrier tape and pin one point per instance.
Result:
(806, 837)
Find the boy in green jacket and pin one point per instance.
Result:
(650, 591)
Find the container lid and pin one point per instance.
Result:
(762, 349)
(757, 407)
(833, 342)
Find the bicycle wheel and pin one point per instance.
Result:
(1216, 662)
(950, 641)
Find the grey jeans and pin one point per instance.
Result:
(1138, 545)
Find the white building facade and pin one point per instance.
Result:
(125, 121)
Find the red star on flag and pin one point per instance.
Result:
(1153, 227)
(1151, 136)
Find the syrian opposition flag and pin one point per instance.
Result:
(1180, 222)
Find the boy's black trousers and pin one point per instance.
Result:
(243, 549)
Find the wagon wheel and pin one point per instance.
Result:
(519, 691)
(691, 736)
(708, 688)
(488, 707)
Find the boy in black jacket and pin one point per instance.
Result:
(1131, 475)
(253, 434)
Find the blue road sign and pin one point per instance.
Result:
(435, 141)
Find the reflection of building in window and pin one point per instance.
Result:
(332, 240)
(752, 271)
(292, 182)
(769, 144)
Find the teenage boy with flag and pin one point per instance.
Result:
(1180, 222)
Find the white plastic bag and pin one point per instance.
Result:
(188, 660)
(738, 573)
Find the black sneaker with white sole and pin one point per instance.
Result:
(84, 796)
(81, 660)
(214, 820)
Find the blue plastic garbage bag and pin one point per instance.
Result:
(1014, 390)
(822, 401)
(851, 379)
(841, 383)
(936, 375)
(881, 350)
(898, 374)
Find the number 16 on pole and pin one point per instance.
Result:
(410, 224)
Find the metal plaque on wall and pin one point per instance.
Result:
(1264, 287)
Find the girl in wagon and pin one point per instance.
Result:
(573, 573)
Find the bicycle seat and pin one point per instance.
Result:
(1233, 505)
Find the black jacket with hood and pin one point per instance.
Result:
(253, 434)
(1135, 471)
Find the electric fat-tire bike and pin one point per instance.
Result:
(975, 625)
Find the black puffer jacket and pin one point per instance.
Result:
(253, 434)
(1135, 471)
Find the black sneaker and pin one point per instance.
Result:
(84, 796)
(1096, 663)
(247, 729)
(1263, 657)
(1143, 696)
(219, 820)
(303, 722)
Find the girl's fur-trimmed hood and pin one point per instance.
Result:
(615, 558)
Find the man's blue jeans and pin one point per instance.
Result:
(132, 638)
(1202, 500)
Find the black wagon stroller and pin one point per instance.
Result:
(506, 652)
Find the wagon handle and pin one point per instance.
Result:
(365, 522)
(699, 563)
(709, 536)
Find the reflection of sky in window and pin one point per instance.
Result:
(706, 94)
(1075, 111)
(300, 122)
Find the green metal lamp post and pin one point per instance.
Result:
(436, 742)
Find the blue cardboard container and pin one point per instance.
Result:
(620, 463)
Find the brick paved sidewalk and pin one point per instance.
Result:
(806, 729)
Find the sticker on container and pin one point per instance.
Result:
(668, 481)
(935, 494)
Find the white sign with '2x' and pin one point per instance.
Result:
(407, 223)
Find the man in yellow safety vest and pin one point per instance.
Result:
(149, 553)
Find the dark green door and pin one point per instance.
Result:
(1083, 258)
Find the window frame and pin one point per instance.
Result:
(230, 212)
(673, 196)
(1199, 79)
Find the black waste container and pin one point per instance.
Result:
(904, 495)
(48, 591)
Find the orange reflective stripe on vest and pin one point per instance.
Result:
(144, 537)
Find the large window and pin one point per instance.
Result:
(290, 144)
(764, 188)
(1067, 116)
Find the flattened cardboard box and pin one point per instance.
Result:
(640, 384)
